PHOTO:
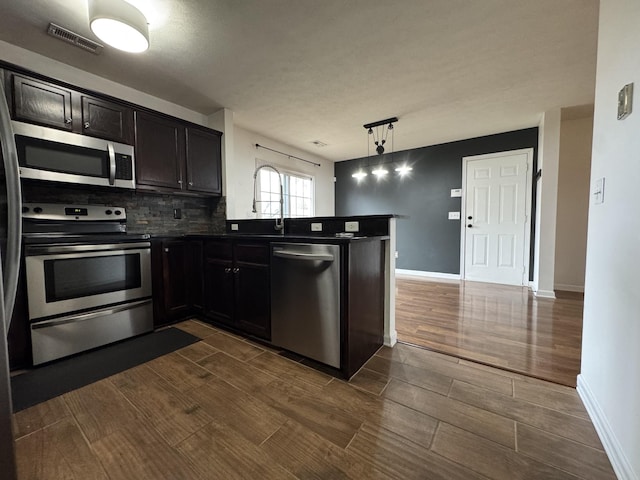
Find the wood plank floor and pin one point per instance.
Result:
(225, 408)
(499, 325)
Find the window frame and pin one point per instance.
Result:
(286, 172)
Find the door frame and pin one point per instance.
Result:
(528, 207)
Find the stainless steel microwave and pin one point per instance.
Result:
(57, 156)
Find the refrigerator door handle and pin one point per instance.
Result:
(14, 208)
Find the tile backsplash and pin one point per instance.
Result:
(146, 212)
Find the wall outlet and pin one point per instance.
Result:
(351, 226)
(456, 192)
(234, 227)
(396, 254)
(454, 215)
(316, 227)
(177, 213)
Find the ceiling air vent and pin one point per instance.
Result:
(74, 39)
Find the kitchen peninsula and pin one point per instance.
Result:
(226, 279)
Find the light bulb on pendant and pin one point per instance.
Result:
(403, 170)
(380, 172)
(359, 175)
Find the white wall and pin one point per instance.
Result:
(546, 198)
(239, 173)
(609, 382)
(65, 73)
(573, 203)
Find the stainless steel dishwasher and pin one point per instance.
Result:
(305, 300)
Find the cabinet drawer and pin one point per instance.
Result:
(252, 253)
(220, 249)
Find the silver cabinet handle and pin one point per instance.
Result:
(166, 250)
(191, 184)
(227, 270)
(236, 270)
(86, 125)
(179, 182)
(67, 120)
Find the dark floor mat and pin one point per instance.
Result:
(49, 381)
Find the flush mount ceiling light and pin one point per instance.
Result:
(119, 24)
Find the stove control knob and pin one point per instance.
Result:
(108, 212)
(118, 212)
(37, 210)
(25, 209)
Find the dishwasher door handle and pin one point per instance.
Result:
(325, 257)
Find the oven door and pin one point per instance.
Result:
(62, 279)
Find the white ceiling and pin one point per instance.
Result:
(304, 70)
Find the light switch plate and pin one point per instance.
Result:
(234, 227)
(598, 192)
(351, 226)
(456, 192)
(316, 227)
(454, 215)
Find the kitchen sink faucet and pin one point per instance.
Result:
(279, 226)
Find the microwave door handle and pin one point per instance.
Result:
(112, 164)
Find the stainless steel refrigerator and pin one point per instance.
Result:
(8, 282)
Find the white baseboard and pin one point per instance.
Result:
(569, 288)
(419, 273)
(545, 294)
(617, 457)
(391, 340)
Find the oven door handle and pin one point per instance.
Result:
(112, 163)
(87, 316)
(38, 250)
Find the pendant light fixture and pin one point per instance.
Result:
(119, 24)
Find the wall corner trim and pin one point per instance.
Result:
(611, 445)
(391, 339)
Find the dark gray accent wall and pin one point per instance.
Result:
(427, 240)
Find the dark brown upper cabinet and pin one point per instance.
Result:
(109, 120)
(44, 103)
(176, 156)
(159, 152)
(204, 161)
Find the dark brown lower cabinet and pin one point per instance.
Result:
(177, 279)
(236, 285)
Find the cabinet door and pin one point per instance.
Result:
(109, 120)
(175, 278)
(43, 103)
(252, 288)
(219, 291)
(203, 161)
(195, 275)
(253, 299)
(159, 151)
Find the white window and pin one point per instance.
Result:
(297, 189)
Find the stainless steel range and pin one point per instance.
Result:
(88, 282)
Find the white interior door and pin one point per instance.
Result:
(495, 225)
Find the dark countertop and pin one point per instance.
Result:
(274, 237)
